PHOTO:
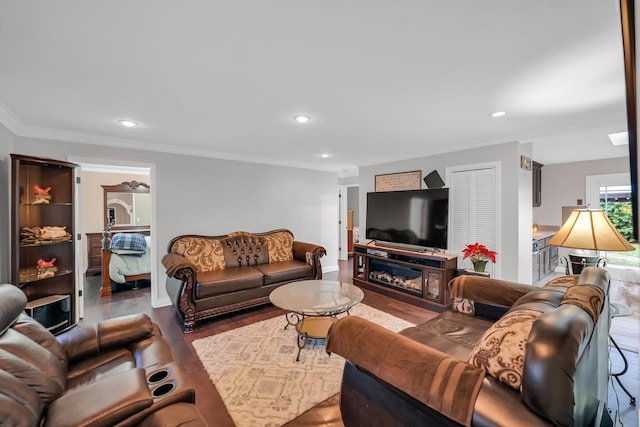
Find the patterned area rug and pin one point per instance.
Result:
(255, 372)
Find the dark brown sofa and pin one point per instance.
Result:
(119, 372)
(211, 275)
(542, 363)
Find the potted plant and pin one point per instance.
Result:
(479, 255)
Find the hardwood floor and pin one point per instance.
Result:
(326, 414)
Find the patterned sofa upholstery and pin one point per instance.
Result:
(506, 354)
(212, 275)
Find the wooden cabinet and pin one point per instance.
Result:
(536, 170)
(42, 234)
(419, 278)
(94, 253)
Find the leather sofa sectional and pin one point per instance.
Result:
(119, 372)
(505, 354)
(212, 275)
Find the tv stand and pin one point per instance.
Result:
(419, 278)
(399, 246)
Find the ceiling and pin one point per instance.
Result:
(381, 80)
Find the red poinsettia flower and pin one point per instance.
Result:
(478, 252)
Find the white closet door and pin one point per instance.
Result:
(472, 212)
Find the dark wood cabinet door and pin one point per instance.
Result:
(537, 184)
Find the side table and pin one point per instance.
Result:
(619, 310)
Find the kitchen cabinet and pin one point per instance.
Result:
(544, 259)
(536, 170)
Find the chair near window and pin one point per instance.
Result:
(579, 259)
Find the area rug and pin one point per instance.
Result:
(254, 369)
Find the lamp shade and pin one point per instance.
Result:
(590, 229)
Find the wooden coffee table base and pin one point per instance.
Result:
(310, 327)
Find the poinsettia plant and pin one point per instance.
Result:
(478, 252)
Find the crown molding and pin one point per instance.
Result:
(10, 120)
(18, 128)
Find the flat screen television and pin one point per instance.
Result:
(414, 217)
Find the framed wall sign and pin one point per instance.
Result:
(399, 181)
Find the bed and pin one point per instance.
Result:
(126, 257)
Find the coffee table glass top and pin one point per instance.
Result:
(316, 297)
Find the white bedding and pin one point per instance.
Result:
(129, 265)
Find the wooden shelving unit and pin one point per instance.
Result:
(28, 213)
(419, 278)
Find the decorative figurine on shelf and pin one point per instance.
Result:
(41, 195)
(46, 268)
(479, 255)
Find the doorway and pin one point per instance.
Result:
(89, 221)
(348, 220)
(612, 192)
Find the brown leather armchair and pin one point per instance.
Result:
(119, 372)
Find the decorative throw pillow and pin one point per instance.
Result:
(565, 281)
(280, 246)
(464, 306)
(500, 351)
(205, 254)
(587, 297)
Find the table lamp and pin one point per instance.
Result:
(589, 229)
(592, 229)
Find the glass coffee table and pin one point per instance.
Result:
(312, 306)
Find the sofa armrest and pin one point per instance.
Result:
(487, 290)
(175, 265)
(300, 250)
(441, 382)
(108, 334)
(178, 414)
(311, 254)
(102, 403)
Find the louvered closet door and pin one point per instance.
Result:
(472, 212)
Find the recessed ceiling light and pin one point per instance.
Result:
(300, 118)
(498, 114)
(620, 138)
(324, 155)
(128, 123)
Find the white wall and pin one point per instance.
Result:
(524, 218)
(564, 183)
(211, 196)
(6, 148)
(514, 233)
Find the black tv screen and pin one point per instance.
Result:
(413, 217)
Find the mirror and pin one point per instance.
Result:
(127, 205)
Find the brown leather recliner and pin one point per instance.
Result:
(119, 372)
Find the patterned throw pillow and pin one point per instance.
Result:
(564, 281)
(280, 246)
(587, 297)
(500, 351)
(464, 306)
(205, 254)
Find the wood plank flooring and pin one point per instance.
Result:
(326, 414)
